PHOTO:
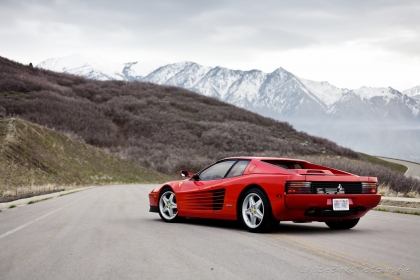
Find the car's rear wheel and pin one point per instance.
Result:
(168, 209)
(344, 224)
(255, 212)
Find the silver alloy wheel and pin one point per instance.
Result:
(253, 210)
(167, 205)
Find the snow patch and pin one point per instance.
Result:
(412, 91)
(326, 92)
(367, 93)
(93, 67)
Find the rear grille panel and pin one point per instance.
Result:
(332, 187)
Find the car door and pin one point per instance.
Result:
(231, 186)
(200, 196)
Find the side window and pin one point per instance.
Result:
(238, 169)
(216, 171)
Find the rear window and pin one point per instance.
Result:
(284, 164)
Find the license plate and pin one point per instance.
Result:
(340, 204)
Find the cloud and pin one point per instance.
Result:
(299, 22)
(229, 33)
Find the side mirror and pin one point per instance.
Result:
(185, 173)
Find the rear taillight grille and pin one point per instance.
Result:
(369, 188)
(299, 187)
(295, 187)
(336, 187)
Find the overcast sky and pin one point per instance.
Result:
(347, 43)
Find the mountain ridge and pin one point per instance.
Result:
(220, 82)
(319, 108)
(225, 84)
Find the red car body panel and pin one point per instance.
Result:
(219, 198)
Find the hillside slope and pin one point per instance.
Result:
(162, 127)
(34, 155)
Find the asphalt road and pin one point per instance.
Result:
(108, 233)
(413, 168)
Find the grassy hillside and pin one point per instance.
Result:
(155, 126)
(34, 155)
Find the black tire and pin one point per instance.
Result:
(171, 214)
(252, 221)
(344, 224)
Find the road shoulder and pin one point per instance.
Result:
(24, 201)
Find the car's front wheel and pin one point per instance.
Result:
(344, 224)
(255, 212)
(168, 209)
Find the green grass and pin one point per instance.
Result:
(394, 166)
(397, 211)
(405, 212)
(12, 206)
(35, 201)
(68, 193)
(31, 154)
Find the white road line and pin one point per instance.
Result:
(40, 218)
(385, 217)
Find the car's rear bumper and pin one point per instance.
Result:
(305, 201)
(318, 207)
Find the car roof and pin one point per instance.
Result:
(266, 158)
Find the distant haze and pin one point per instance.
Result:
(348, 43)
(374, 138)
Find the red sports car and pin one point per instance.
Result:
(262, 191)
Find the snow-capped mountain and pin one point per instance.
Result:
(413, 92)
(381, 121)
(91, 67)
(328, 93)
(375, 104)
(281, 94)
(276, 93)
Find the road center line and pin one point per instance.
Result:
(40, 218)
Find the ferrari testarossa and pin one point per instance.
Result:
(261, 191)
